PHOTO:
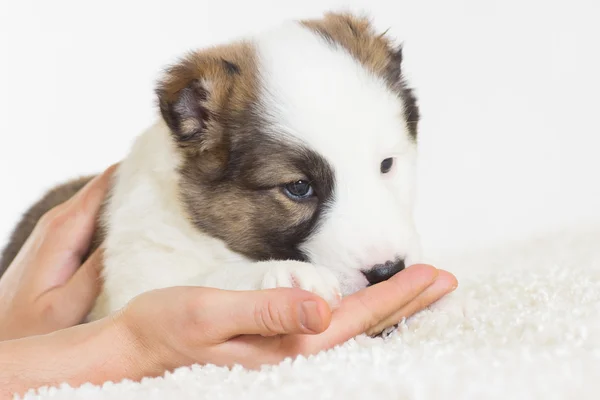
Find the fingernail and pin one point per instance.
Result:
(308, 312)
(445, 283)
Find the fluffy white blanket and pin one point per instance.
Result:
(523, 324)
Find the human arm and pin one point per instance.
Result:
(167, 328)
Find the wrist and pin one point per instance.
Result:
(156, 339)
(119, 352)
(97, 352)
(142, 357)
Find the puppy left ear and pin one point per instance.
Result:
(185, 112)
(186, 104)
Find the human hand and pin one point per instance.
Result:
(180, 326)
(46, 287)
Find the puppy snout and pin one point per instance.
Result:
(383, 272)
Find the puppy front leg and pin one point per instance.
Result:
(274, 274)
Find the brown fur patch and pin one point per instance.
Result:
(30, 218)
(357, 36)
(233, 170)
(201, 93)
(248, 209)
(373, 50)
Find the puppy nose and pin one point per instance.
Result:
(383, 272)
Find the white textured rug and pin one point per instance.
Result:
(523, 324)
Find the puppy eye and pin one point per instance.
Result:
(298, 190)
(386, 165)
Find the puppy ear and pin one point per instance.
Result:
(184, 100)
(185, 111)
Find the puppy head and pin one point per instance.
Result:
(300, 143)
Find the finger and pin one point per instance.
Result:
(75, 299)
(84, 287)
(357, 313)
(66, 235)
(367, 308)
(73, 222)
(86, 196)
(260, 312)
(444, 284)
(83, 208)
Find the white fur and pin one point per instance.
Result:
(324, 98)
(320, 97)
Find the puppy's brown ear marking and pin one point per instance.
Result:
(184, 110)
(198, 91)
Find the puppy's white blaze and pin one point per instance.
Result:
(325, 99)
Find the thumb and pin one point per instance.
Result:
(86, 283)
(76, 298)
(264, 312)
(75, 220)
(83, 209)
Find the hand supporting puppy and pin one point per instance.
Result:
(46, 288)
(45, 292)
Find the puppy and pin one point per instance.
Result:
(284, 159)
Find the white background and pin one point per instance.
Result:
(509, 93)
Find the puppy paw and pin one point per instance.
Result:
(318, 280)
